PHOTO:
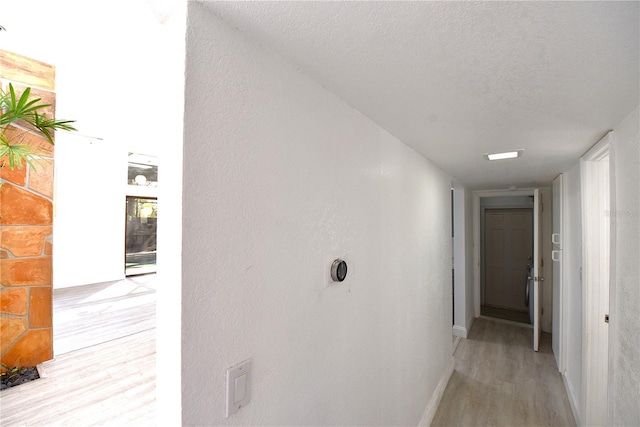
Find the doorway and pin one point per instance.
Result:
(597, 205)
(508, 255)
(141, 214)
(141, 235)
(536, 198)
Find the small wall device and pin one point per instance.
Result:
(338, 270)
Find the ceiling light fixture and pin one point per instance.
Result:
(504, 155)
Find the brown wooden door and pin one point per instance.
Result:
(508, 246)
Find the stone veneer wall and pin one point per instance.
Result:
(26, 222)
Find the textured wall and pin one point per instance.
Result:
(26, 220)
(435, 74)
(626, 339)
(281, 177)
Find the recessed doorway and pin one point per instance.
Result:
(508, 258)
(141, 235)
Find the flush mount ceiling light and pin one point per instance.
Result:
(504, 155)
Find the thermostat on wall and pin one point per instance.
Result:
(338, 270)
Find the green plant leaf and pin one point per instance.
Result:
(22, 111)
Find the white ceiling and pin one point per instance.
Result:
(455, 80)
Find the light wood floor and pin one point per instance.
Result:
(503, 313)
(84, 316)
(103, 376)
(500, 381)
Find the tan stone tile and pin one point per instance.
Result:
(41, 178)
(34, 347)
(26, 271)
(16, 176)
(21, 207)
(13, 301)
(24, 241)
(10, 329)
(40, 307)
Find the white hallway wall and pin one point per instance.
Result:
(624, 339)
(625, 342)
(281, 177)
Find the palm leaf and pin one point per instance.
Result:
(21, 110)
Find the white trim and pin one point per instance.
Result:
(462, 245)
(545, 253)
(456, 342)
(470, 323)
(562, 302)
(596, 243)
(476, 254)
(572, 399)
(566, 245)
(536, 270)
(432, 406)
(612, 275)
(476, 234)
(459, 331)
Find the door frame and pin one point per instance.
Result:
(545, 249)
(462, 286)
(597, 267)
(560, 303)
(127, 198)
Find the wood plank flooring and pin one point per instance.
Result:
(503, 313)
(104, 377)
(84, 316)
(500, 381)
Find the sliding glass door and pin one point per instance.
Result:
(140, 239)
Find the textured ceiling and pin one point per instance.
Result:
(455, 80)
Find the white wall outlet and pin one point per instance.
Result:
(238, 387)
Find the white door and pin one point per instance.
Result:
(556, 257)
(535, 271)
(596, 222)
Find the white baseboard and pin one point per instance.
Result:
(572, 398)
(456, 341)
(432, 406)
(459, 331)
(470, 320)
